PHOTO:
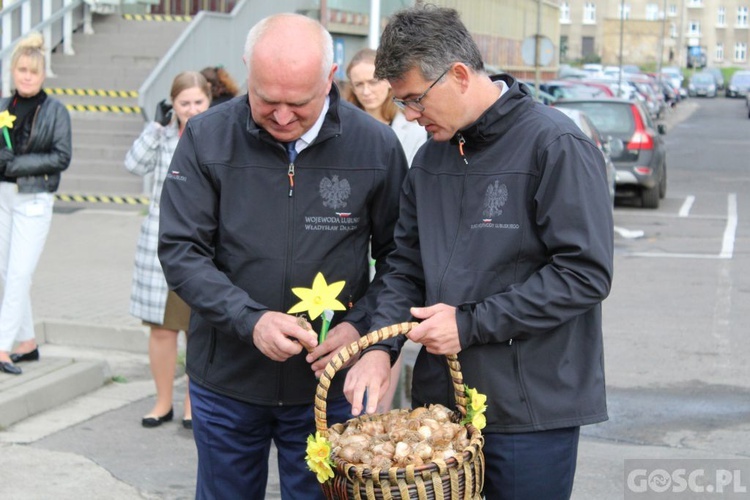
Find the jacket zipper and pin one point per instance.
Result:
(461, 142)
(290, 174)
(289, 262)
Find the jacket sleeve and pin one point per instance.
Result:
(384, 213)
(53, 159)
(187, 227)
(572, 215)
(403, 286)
(143, 155)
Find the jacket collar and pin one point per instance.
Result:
(498, 118)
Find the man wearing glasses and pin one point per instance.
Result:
(504, 249)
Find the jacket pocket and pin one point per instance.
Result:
(523, 398)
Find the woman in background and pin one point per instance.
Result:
(35, 150)
(374, 96)
(150, 300)
(223, 86)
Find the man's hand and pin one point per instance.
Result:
(340, 336)
(438, 331)
(280, 336)
(372, 373)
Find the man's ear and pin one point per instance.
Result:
(461, 74)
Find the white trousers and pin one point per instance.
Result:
(24, 224)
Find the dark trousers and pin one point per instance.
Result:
(234, 440)
(530, 465)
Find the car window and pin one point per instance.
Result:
(608, 117)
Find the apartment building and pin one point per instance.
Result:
(683, 32)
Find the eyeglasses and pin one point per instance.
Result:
(416, 104)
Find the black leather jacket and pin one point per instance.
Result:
(47, 152)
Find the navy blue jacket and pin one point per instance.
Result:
(520, 240)
(233, 242)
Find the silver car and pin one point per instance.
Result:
(739, 84)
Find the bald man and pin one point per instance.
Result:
(264, 192)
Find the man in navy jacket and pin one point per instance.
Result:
(504, 248)
(264, 192)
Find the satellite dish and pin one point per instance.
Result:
(546, 51)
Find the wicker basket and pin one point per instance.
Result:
(459, 477)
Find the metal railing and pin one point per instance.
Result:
(211, 39)
(54, 19)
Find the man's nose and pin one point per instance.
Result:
(283, 115)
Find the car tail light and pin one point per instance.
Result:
(644, 170)
(641, 138)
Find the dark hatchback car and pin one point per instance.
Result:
(636, 146)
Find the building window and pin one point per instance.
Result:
(740, 52)
(673, 30)
(719, 52)
(721, 17)
(694, 28)
(695, 3)
(652, 12)
(565, 12)
(587, 46)
(620, 11)
(589, 13)
(742, 17)
(673, 10)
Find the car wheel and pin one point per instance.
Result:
(650, 197)
(663, 183)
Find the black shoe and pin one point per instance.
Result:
(187, 423)
(157, 421)
(10, 368)
(29, 356)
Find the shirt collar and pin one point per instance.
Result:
(308, 137)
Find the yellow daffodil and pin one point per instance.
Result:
(6, 119)
(477, 401)
(319, 457)
(475, 409)
(479, 421)
(318, 298)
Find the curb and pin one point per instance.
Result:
(47, 384)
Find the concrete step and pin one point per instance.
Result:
(75, 359)
(46, 384)
(100, 177)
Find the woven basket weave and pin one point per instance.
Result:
(459, 477)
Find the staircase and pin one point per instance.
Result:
(118, 57)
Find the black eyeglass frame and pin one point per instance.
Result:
(416, 104)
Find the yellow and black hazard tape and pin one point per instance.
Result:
(157, 17)
(93, 92)
(117, 200)
(103, 108)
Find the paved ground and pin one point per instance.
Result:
(93, 446)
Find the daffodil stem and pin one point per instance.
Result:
(323, 330)
(6, 135)
(326, 317)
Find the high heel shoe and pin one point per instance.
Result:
(29, 356)
(187, 423)
(10, 368)
(149, 421)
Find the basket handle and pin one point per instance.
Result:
(346, 353)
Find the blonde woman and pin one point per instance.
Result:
(32, 155)
(150, 300)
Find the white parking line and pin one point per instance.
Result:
(686, 206)
(727, 244)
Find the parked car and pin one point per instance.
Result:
(636, 146)
(570, 89)
(588, 128)
(702, 84)
(739, 84)
(718, 75)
